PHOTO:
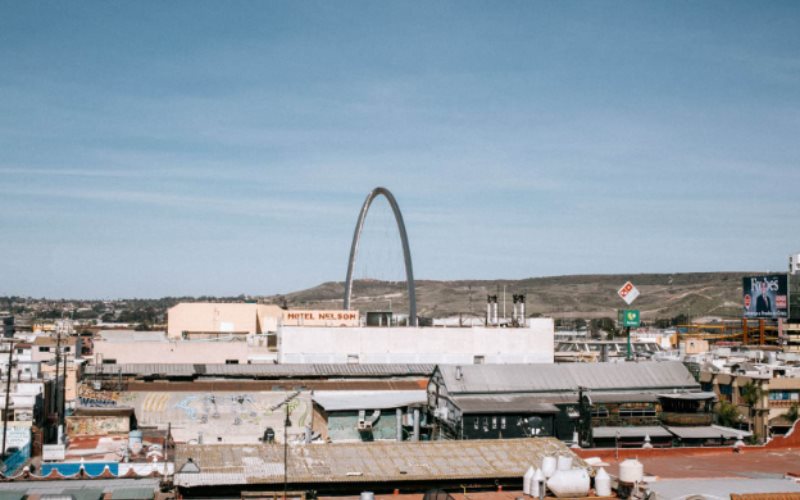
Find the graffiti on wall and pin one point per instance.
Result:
(97, 426)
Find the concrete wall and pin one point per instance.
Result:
(418, 345)
(177, 351)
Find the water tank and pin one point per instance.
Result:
(526, 480)
(135, 441)
(564, 462)
(631, 471)
(570, 483)
(772, 357)
(537, 483)
(367, 495)
(549, 465)
(602, 483)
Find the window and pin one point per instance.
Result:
(66, 349)
(485, 424)
(44, 349)
(478, 360)
(109, 361)
(784, 396)
(475, 423)
(600, 412)
(494, 423)
(231, 361)
(502, 422)
(352, 359)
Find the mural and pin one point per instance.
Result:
(97, 426)
(239, 417)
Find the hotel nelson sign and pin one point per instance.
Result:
(321, 318)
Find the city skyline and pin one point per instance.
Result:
(197, 149)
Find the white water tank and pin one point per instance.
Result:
(526, 480)
(602, 483)
(537, 483)
(564, 462)
(631, 471)
(570, 483)
(549, 465)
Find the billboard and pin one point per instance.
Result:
(765, 296)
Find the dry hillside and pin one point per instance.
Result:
(580, 296)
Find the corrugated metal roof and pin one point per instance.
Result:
(57, 486)
(690, 396)
(706, 432)
(366, 462)
(628, 432)
(504, 403)
(673, 489)
(264, 370)
(530, 378)
(368, 400)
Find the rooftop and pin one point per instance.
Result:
(544, 377)
(374, 462)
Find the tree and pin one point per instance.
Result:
(680, 319)
(793, 413)
(751, 396)
(727, 414)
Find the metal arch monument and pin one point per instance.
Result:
(401, 227)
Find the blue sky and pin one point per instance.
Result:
(155, 148)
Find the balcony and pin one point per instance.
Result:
(684, 419)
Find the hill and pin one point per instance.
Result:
(717, 294)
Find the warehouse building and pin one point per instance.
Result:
(567, 401)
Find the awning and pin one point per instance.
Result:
(689, 396)
(653, 431)
(707, 432)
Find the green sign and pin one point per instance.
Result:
(630, 317)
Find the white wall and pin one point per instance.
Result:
(418, 345)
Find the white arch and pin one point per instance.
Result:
(401, 227)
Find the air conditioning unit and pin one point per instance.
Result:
(364, 426)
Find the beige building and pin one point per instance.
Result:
(208, 319)
(176, 351)
(776, 396)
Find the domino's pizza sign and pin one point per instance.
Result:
(628, 293)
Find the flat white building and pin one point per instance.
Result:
(533, 344)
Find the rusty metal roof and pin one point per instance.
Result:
(262, 370)
(389, 461)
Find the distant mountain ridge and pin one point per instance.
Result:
(717, 294)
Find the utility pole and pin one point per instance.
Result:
(58, 366)
(8, 394)
(286, 425)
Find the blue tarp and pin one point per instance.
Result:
(17, 460)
